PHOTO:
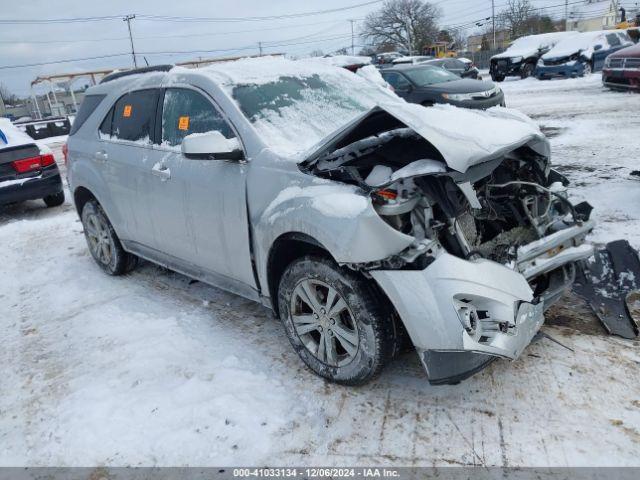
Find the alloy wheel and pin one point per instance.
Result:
(324, 322)
(100, 241)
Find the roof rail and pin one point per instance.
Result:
(135, 71)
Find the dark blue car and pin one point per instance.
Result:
(581, 54)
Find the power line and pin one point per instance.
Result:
(167, 18)
(220, 50)
(186, 35)
(2, 67)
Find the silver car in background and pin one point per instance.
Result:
(364, 222)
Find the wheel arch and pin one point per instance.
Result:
(81, 195)
(284, 250)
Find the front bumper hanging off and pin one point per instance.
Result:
(463, 314)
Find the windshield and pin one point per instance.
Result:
(294, 112)
(430, 75)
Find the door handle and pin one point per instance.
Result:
(161, 171)
(101, 156)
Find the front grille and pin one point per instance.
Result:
(632, 63)
(616, 62)
(626, 63)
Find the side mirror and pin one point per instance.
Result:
(211, 145)
(597, 47)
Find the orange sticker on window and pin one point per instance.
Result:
(183, 123)
(127, 111)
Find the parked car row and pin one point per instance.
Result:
(581, 54)
(521, 58)
(573, 54)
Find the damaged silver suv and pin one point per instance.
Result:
(362, 221)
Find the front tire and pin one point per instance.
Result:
(103, 243)
(54, 200)
(335, 321)
(527, 70)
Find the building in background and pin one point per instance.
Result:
(593, 15)
(475, 42)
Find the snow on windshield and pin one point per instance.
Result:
(583, 41)
(295, 104)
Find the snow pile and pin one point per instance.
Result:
(529, 45)
(371, 73)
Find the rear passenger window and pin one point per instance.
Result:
(105, 126)
(133, 116)
(185, 112)
(88, 106)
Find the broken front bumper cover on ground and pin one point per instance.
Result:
(463, 314)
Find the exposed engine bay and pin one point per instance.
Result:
(487, 212)
(511, 208)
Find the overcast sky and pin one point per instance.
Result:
(35, 43)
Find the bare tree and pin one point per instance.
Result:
(516, 17)
(407, 24)
(8, 97)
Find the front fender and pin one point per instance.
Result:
(338, 216)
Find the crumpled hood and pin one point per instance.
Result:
(463, 137)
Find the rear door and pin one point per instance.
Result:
(198, 206)
(125, 158)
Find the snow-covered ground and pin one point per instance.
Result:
(151, 369)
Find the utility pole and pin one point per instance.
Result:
(353, 52)
(128, 19)
(406, 26)
(260, 47)
(493, 22)
(566, 15)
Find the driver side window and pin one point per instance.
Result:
(185, 112)
(397, 81)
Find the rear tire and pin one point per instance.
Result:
(103, 243)
(335, 321)
(54, 200)
(588, 70)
